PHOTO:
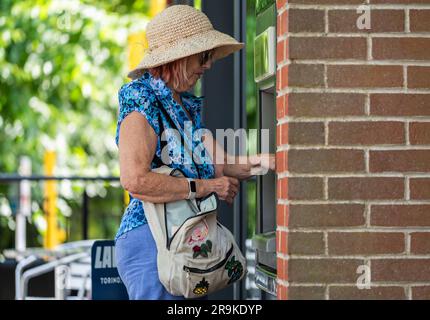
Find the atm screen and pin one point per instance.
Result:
(268, 180)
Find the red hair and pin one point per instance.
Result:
(174, 72)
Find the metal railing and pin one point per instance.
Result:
(66, 254)
(16, 178)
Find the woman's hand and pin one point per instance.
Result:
(244, 168)
(225, 187)
(261, 163)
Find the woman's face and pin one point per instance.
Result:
(195, 70)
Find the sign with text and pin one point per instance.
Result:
(105, 280)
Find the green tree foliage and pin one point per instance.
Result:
(122, 7)
(61, 65)
(251, 106)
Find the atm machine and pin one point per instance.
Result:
(264, 241)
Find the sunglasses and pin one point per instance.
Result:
(205, 57)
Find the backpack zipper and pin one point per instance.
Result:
(213, 268)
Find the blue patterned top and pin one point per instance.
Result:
(148, 95)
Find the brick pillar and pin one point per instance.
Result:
(353, 155)
(281, 154)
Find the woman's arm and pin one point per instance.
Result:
(240, 167)
(137, 146)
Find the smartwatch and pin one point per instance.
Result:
(192, 188)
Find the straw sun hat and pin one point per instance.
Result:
(180, 31)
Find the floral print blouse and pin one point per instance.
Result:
(152, 98)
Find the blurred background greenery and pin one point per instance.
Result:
(251, 110)
(61, 65)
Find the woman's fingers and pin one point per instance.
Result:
(227, 198)
(267, 162)
(227, 189)
(234, 189)
(255, 160)
(234, 181)
(272, 162)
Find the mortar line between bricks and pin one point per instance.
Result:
(407, 20)
(365, 118)
(282, 10)
(327, 292)
(407, 190)
(362, 35)
(325, 243)
(367, 215)
(307, 231)
(281, 38)
(282, 228)
(362, 202)
(326, 132)
(366, 160)
(358, 201)
(326, 22)
(405, 78)
(283, 63)
(348, 284)
(369, 48)
(360, 62)
(408, 242)
(359, 257)
(282, 256)
(361, 229)
(396, 147)
(408, 289)
(283, 92)
(421, 284)
(351, 176)
(325, 77)
(325, 180)
(354, 90)
(287, 91)
(369, 264)
(367, 105)
(407, 141)
(282, 282)
(354, 7)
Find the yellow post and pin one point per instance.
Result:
(126, 198)
(137, 43)
(50, 203)
(157, 6)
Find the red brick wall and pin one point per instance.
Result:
(353, 149)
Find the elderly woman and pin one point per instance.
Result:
(182, 46)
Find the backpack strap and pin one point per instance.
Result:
(156, 159)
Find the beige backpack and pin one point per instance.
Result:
(197, 255)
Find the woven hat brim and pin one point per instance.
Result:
(223, 44)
